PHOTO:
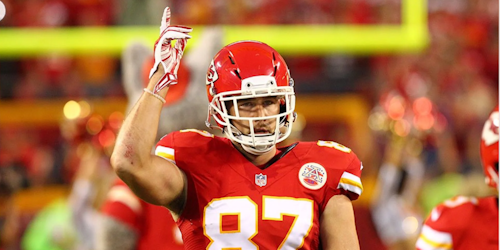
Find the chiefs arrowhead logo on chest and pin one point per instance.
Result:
(312, 176)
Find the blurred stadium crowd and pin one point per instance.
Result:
(422, 116)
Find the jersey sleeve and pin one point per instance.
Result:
(165, 148)
(346, 175)
(181, 147)
(350, 180)
(122, 205)
(440, 226)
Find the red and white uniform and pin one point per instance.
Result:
(461, 223)
(233, 204)
(154, 224)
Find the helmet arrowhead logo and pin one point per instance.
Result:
(212, 75)
(490, 129)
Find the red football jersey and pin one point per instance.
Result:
(154, 224)
(232, 204)
(461, 223)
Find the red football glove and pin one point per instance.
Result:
(167, 55)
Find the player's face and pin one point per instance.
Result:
(257, 107)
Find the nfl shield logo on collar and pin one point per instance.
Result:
(260, 179)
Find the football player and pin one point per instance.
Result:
(128, 222)
(468, 222)
(241, 191)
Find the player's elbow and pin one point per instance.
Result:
(120, 164)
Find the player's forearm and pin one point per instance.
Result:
(132, 152)
(136, 137)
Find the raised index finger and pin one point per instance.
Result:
(165, 19)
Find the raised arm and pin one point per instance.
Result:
(152, 178)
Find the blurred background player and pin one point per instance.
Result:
(9, 214)
(129, 222)
(468, 222)
(70, 222)
(394, 210)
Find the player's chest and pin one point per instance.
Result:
(284, 179)
(242, 206)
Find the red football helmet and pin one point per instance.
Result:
(489, 148)
(250, 69)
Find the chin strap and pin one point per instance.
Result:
(255, 150)
(263, 143)
(259, 150)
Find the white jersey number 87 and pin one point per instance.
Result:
(247, 211)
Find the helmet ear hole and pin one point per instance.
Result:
(212, 91)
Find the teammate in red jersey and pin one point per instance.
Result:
(239, 192)
(468, 222)
(131, 223)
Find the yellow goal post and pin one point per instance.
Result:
(410, 36)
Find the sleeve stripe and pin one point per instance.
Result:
(166, 153)
(432, 239)
(126, 197)
(351, 183)
(350, 188)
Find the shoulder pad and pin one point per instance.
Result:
(460, 206)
